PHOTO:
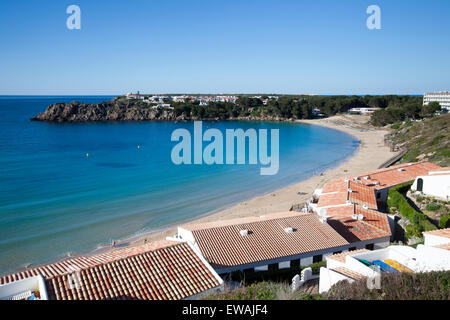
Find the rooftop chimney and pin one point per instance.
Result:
(244, 233)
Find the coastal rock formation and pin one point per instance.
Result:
(105, 111)
(120, 110)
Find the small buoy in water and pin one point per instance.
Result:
(87, 155)
(139, 147)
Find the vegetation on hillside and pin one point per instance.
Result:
(397, 203)
(396, 286)
(425, 140)
(409, 109)
(290, 106)
(264, 291)
(436, 209)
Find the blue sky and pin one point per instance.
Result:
(210, 46)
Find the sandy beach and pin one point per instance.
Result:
(370, 155)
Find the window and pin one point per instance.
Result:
(261, 268)
(352, 249)
(369, 246)
(378, 195)
(273, 267)
(317, 258)
(420, 184)
(295, 263)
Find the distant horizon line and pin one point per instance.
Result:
(211, 94)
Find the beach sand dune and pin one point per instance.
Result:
(371, 154)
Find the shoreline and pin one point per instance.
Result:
(370, 154)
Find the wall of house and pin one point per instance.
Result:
(432, 240)
(305, 260)
(433, 258)
(328, 278)
(382, 196)
(435, 185)
(21, 286)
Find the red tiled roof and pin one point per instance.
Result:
(374, 225)
(349, 273)
(65, 266)
(445, 246)
(392, 176)
(445, 233)
(340, 257)
(223, 246)
(362, 195)
(169, 272)
(337, 192)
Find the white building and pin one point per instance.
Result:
(359, 265)
(362, 110)
(439, 238)
(277, 241)
(436, 184)
(442, 97)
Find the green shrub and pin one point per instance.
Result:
(264, 291)
(419, 221)
(413, 230)
(444, 222)
(396, 286)
(433, 206)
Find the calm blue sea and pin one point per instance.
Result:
(54, 200)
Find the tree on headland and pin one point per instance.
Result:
(431, 109)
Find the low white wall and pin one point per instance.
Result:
(432, 240)
(328, 278)
(432, 259)
(21, 286)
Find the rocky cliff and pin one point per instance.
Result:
(120, 110)
(105, 111)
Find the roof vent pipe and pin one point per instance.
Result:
(244, 233)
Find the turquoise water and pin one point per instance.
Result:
(54, 200)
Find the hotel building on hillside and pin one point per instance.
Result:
(442, 97)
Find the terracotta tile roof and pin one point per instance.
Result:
(170, 273)
(223, 245)
(65, 266)
(362, 195)
(157, 271)
(333, 199)
(338, 185)
(445, 246)
(338, 192)
(388, 177)
(375, 224)
(349, 273)
(445, 233)
(340, 257)
(229, 222)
